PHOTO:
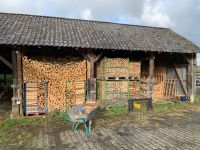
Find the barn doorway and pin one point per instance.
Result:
(6, 81)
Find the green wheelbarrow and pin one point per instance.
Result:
(77, 119)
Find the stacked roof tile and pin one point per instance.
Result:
(31, 30)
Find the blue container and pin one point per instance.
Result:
(183, 98)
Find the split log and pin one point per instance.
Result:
(56, 71)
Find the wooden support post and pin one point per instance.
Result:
(91, 68)
(150, 78)
(15, 106)
(189, 75)
(91, 83)
(19, 75)
(191, 78)
(17, 83)
(194, 73)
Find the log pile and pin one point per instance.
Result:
(118, 67)
(134, 67)
(35, 98)
(114, 92)
(144, 88)
(134, 89)
(113, 62)
(117, 72)
(158, 91)
(113, 67)
(101, 91)
(159, 79)
(76, 93)
(41, 97)
(56, 71)
(158, 84)
(117, 86)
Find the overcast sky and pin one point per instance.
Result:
(183, 16)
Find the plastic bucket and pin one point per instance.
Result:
(183, 98)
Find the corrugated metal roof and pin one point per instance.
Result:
(31, 30)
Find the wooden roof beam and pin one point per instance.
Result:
(6, 62)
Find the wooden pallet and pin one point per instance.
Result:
(170, 88)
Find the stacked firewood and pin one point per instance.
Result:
(117, 72)
(76, 93)
(101, 91)
(158, 91)
(56, 71)
(122, 69)
(113, 67)
(115, 92)
(158, 86)
(41, 96)
(118, 67)
(134, 67)
(134, 89)
(117, 62)
(117, 86)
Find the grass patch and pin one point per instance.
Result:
(197, 98)
(9, 127)
(198, 69)
(116, 110)
(169, 106)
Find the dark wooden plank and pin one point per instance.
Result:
(98, 56)
(147, 58)
(6, 62)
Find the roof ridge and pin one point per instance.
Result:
(98, 21)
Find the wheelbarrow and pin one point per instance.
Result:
(77, 119)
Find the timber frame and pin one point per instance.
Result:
(93, 56)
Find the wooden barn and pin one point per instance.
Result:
(56, 63)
